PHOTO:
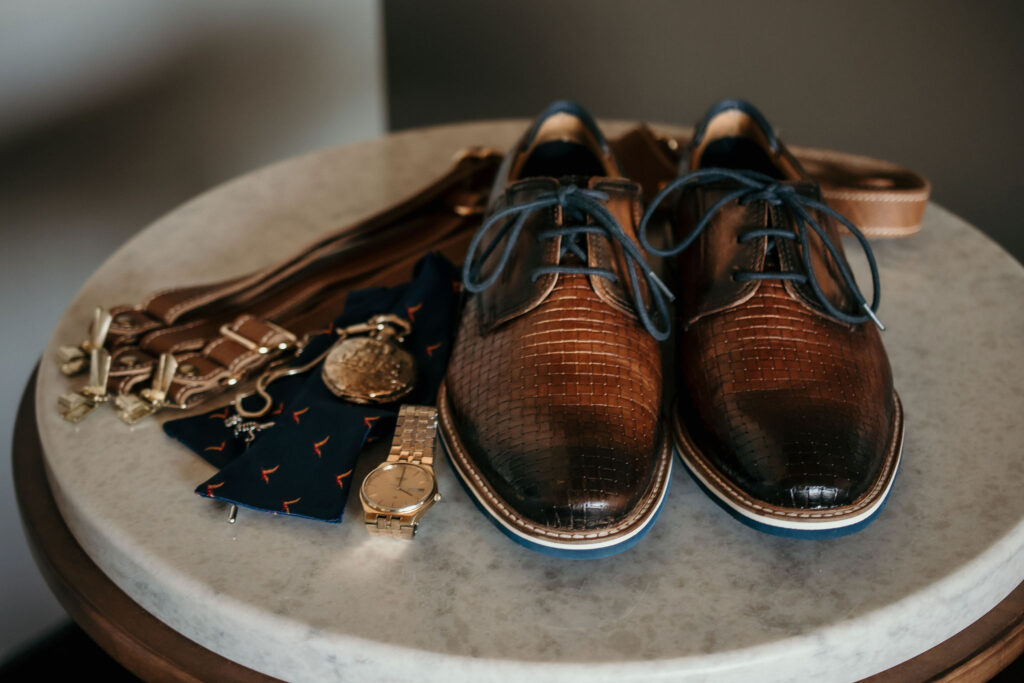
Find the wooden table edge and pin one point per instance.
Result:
(139, 641)
(153, 651)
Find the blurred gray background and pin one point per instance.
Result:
(933, 84)
(112, 112)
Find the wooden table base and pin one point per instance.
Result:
(153, 651)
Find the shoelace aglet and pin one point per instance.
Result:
(874, 318)
(662, 286)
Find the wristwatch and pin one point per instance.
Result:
(397, 493)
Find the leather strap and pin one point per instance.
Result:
(222, 332)
(883, 199)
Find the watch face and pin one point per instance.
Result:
(398, 487)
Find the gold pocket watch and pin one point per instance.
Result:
(372, 368)
(361, 369)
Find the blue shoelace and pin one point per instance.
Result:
(577, 204)
(751, 187)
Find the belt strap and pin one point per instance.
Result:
(222, 332)
(883, 199)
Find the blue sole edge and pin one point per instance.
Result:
(784, 532)
(563, 553)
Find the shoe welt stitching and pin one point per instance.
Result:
(867, 499)
(457, 449)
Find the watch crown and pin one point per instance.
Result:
(437, 497)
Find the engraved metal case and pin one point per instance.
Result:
(371, 369)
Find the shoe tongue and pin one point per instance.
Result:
(619, 196)
(579, 181)
(518, 292)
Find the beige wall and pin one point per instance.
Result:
(933, 84)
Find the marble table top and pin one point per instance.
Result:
(701, 598)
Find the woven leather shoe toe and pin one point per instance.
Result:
(792, 441)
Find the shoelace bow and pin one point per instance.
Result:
(577, 204)
(754, 186)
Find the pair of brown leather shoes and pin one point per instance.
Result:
(551, 409)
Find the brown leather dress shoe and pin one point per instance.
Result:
(550, 409)
(785, 411)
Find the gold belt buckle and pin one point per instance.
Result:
(131, 408)
(234, 336)
(75, 359)
(75, 405)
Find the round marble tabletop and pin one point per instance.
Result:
(702, 597)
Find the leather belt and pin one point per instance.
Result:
(221, 333)
(883, 199)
